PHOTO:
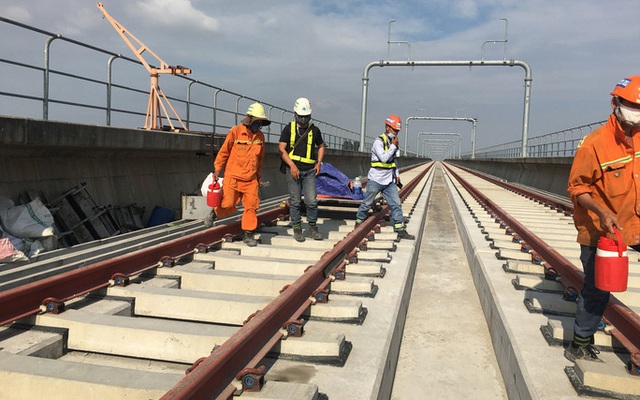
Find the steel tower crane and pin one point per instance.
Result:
(156, 106)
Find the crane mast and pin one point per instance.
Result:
(156, 106)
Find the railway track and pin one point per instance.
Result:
(126, 317)
(316, 320)
(534, 238)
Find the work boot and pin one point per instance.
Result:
(297, 235)
(581, 348)
(403, 234)
(587, 352)
(249, 240)
(208, 220)
(313, 232)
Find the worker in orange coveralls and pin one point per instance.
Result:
(604, 186)
(241, 157)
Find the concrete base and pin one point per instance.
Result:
(526, 362)
(24, 377)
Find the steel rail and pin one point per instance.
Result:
(294, 322)
(213, 375)
(555, 204)
(52, 292)
(625, 320)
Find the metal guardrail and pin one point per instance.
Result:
(225, 109)
(199, 115)
(556, 144)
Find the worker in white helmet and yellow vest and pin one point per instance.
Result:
(241, 156)
(302, 150)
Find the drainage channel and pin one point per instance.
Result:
(130, 326)
(525, 264)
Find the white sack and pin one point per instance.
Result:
(32, 220)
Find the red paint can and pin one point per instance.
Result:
(612, 264)
(214, 194)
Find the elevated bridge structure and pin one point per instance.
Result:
(153, 168)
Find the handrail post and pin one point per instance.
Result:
(238, 107)
(109, 86)
(45, 90)
(189, 102)
(269, 127)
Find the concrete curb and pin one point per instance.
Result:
(515, 376)
(386, 370)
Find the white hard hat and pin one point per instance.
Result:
(302, 107)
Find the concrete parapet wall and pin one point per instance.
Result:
(549, 174)
(125, 166)
(119, 166)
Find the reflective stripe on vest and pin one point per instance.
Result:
(616, 163)
(380, 164)
(292, 142)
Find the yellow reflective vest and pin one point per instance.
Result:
(292, 141)
(380, 164)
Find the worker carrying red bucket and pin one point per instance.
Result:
(604, 186)
(241, 156)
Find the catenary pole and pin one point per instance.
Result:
(470, 63)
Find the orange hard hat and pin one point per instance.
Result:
(628, 89)
(394, 122)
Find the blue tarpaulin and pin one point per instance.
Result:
(331, 182)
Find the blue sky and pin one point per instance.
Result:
(279, 50)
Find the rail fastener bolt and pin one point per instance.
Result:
(321, 296)
(119, 280)
(252, 379)
(550, 274)
(294, 327)
(536, 258)
(202, 248)
(167, 261)
(340, 273)
(53, 305)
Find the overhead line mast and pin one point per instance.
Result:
(157, 99)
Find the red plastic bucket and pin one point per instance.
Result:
(214, 194)
(612, 264)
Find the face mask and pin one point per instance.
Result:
(392, 136)
(303, 120)
(630, 116)
(255, 126)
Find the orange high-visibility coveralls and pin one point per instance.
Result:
(607, 168)
(241, 157)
